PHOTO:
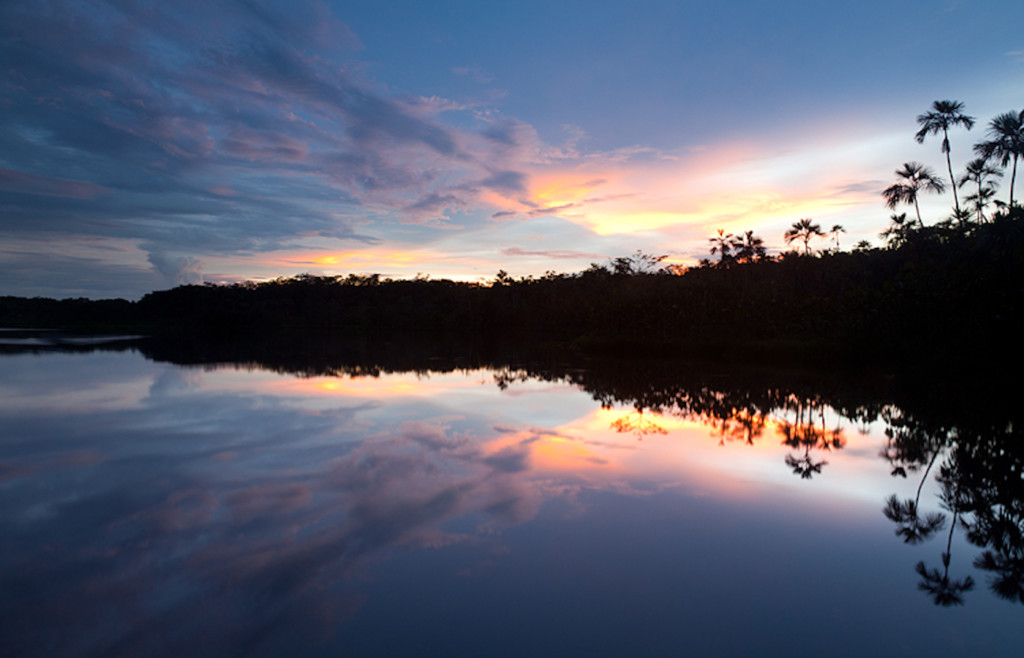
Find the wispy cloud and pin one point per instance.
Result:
(217, 135)
(556, 254)
(262, 134)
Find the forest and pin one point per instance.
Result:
(951, 291)
(938, 292)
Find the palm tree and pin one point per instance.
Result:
(942, 116)
(898, 232)
(751, 248)
(804, 229)
(1005, 142)
(978, 172)
(918, 177)
(724, 243)
(836, 230)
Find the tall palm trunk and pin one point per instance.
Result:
(1013, 177)
(949, 167)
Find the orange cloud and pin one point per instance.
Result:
(387, 261)
(736, 186)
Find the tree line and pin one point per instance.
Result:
(937, 293)
(1002, 148)
(946, 291)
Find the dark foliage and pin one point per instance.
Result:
(941, 293)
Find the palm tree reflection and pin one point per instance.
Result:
(744, 425)
(804, 433)
(974, 441)
(1009, 573)
(911, 526)
(981, 487)
(940, 587)
(946, 591)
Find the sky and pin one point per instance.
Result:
(148, 144)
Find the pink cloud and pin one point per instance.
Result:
(264, 146)
(19, 181)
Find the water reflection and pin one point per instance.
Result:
(167, 511)
(980, 477)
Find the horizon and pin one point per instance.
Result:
(149, 146)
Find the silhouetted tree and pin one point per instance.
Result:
(917, 178)
(980, 200)
(805, 230)
(943, 116)
(898, 232)
(834, 232)
(723, 244)
(751, 249)
(1005, 143)
(638, 263)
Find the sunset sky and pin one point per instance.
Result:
(148, 144)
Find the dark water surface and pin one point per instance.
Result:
(153, 509)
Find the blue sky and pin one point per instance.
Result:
(147, 144)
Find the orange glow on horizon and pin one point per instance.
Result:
(622, 200)
(604, 447)
(557, 453)
(398, 263)
(734, 186)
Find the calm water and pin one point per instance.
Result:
(154, 509)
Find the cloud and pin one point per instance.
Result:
(516, 251)
(35, 269)
(262, 134)
(18, 181)
(179, 270)
(266, 146)
(475, 73)
(506, 181)
(873, 186)
(509, 460)
(207, 132)
(503, 133)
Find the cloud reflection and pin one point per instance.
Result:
(220, 507)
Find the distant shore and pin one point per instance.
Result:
(943, 293)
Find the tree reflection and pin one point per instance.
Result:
(1009, 574)
(636, 423)
(966, 428)
(946, 591)
(912, 527)
(804, 433)
(940, 587)
(980, 486)
(990, 472)
(745, 425)
(968, 436)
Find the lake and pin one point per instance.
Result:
(255, 507)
